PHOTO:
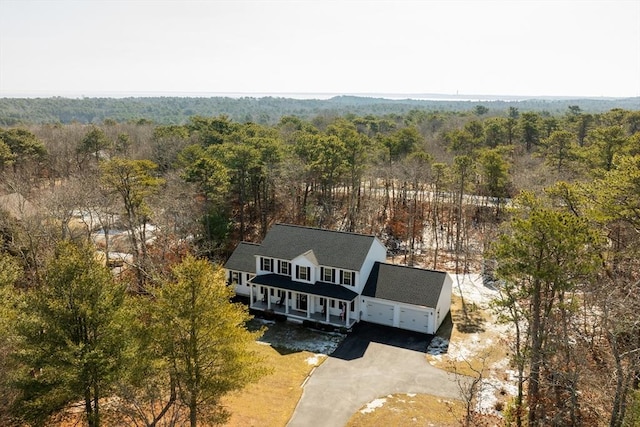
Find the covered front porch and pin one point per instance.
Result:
(320, 302)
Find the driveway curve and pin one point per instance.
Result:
(371, 362)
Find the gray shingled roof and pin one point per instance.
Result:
(322, 289)
(331, 248)
(405, 284)
(243, 258)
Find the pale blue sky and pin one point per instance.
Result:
(91, 47)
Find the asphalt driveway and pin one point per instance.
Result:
(372, 362)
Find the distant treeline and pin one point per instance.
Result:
(265, 110)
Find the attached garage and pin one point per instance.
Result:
(378, 312)
(407, 298)
(414, 320)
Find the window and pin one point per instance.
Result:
(333, 303)
(328, 275)
(303, 273)
(353, 306)
(284, 268)
(235, 277)
(265, 264)
(348, 278)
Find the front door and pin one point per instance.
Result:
(301, 302)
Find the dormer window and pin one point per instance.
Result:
(303, 273)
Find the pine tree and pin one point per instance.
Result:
(205, 339)
(70, 331)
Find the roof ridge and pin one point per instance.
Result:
(411, 267)
(352, 233)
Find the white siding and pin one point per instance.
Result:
(242, 285)
(377, 252)
(303, 262)
(444, 302)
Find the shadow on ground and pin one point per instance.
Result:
(289, 337)
(469, 322)
(356, 342)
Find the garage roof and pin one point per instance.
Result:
(322, 289)
(408, 285)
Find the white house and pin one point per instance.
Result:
(337, 278)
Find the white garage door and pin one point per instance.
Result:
(380, 313)
(414, 320)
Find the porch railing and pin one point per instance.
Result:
(303, 315)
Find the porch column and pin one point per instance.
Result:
(251, 295)
(346, 313)
(326, 310)
(308, 307)
(286, 305)
(268, 298)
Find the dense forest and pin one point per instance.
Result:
(545, 201)
(267, 110)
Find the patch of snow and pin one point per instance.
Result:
(373, 405)
(297, 338)
(438, 346)
(411, 394)
(472, 288)
(315, 359)
(513, 377)
(467, 349)
(320, 345)
(487, 395)
(501, 365)
(501, 381)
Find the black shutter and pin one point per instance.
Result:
(261, 263)
(322, 274)
(341, 276)
(353, 278)
(333, 275)
(297, 271)
(309, 273)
